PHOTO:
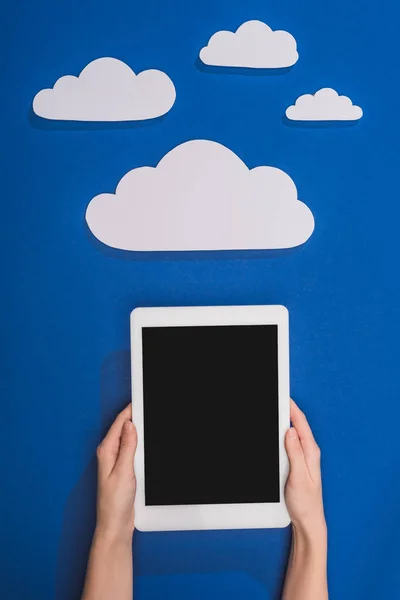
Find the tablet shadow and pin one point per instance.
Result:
(212, 586)
(80, 512)
(260, 554)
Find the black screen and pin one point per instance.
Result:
(210, 414)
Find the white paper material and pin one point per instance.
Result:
(324, 105)
(107, 90)
(201, 196)
(253, 45)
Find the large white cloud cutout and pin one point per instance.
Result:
(324, 105)
(253, 45)
(107, 90)
(201, 196)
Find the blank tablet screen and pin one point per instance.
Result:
(211, 414)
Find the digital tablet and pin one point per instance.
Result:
(210, 393)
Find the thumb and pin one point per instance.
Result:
(127, 447)
(295, 453)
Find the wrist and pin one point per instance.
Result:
(311, 534)
(113, 537)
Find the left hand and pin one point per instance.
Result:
(116, 479)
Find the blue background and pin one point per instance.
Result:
(66, 299)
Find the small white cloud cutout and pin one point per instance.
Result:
(107, 90)
(201, 196)
(324, 105)
(253, 45)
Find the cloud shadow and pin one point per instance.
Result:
(187, 255)
(61, 125)
(318, 124)
(253, 72)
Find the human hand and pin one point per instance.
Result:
(116, 479)
(303, 490)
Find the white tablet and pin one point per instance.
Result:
(210, 389)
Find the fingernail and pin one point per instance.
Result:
(292, 432)
(128, 426)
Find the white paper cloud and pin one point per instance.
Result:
(107, 90)
(254, 45)
(324, 105)
(201, 196)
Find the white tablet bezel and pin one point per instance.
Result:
(210, 516)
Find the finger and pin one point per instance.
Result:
(108, 450)
(115, 430)
(127, 448)
(295, 454)
(310, 448)
(302, 426)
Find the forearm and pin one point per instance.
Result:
(306, 576)
(109, 572)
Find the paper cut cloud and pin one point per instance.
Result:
(201, 196)
(107, 90)
(324, 105)
(254, 45)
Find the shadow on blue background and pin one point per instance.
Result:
(66, 304)
(318, 124)
(216, 70)
(257, 556)
(260, 554)
(232, 586)
(80, 512)
(61, 125)
(188, 255)
(77, 531)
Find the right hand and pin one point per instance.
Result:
(303, 492)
